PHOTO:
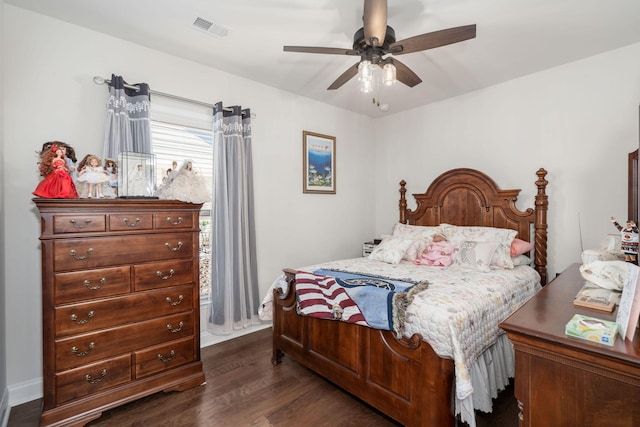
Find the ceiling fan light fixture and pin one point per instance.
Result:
(389, 74)
(366, 86)
(365, 71)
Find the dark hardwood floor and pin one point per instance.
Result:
(244, 389)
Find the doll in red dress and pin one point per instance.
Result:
(57, 183)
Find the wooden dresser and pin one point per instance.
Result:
(562, 381)
(120, 303)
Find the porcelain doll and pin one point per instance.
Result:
(110, 188)
(57, 183)
(439, 253)
(185, 185)
(629, 240)
(94, 175)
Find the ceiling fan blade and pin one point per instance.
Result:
(345, 77)
(404, 74)
(432, 40)
(326, 50)
(375, 21)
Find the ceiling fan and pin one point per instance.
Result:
(376, 39)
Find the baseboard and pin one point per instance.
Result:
(25, 392)
(5, 409)
(207, 338)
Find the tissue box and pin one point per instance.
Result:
(592, 329)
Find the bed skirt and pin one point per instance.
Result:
(490, 374)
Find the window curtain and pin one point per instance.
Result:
(127, 125)
(234, 284)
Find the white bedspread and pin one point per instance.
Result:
(459, 313)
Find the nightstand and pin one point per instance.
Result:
(368, 247)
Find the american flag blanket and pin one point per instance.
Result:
(376, 302)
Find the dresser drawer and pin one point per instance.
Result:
(169, 220)
(75, 254)
(92, 378)
(78, 223)
(162, 274)
(100, 314)
(163, 357)
(80, 350)
(131, 221)
(90, 284)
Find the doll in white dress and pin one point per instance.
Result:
(94, 175)
(186, 185)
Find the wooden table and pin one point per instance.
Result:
(563, 381)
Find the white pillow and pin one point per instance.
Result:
(476, 254)
(391, 250)
(414, 231)
(503, 236)
(415, 249)
(521, 260)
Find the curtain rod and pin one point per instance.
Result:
(101, 80)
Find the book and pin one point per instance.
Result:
(629, 309)
(594, 297)
(592, 329)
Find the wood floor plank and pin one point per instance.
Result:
(243, 388)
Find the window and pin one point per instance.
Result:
(182, 131)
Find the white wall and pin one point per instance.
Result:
(49, 94)
(578, 121)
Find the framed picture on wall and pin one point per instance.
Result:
(318, 163)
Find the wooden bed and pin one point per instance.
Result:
(405, 378)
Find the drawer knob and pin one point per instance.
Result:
(172, 302)
(159, 274)
(81, 225)
(102, 282)
(176, 222)
(176, 330)
(131, 224)
(92, 380)
(79, 353)
(75, 255)
(74, 318)
(177, 248)
(167, 359)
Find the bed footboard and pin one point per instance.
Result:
(404, 378)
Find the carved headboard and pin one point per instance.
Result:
(470, 197)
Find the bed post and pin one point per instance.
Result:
(542, 203)
(403, 202)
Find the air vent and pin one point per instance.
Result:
(210, 27)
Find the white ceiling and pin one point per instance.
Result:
(514, 38)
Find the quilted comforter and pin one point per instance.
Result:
(458, 314)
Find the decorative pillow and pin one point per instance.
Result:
(414, 231)
(520, 247)
(521, 260)
(391, 250)
(476, 254)
(503, 236)
(415, 249)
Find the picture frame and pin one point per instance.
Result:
(318, 163)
